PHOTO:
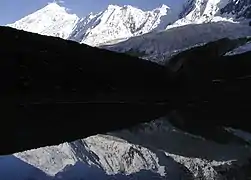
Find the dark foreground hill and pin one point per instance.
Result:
(54, 91)
(217, 87)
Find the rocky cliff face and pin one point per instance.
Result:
(238, 8)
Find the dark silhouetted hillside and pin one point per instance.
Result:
(54, 90)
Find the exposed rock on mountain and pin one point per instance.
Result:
(238, 8)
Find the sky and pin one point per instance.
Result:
(11, 11)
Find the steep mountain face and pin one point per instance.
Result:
(120, 22)
(203, 11)
(52, 20)
(199, 11)
(238, 8)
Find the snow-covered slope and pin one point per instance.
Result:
(52, 20)
(150, 151)
(200, 11)
(160, 46)
(121, 22)
(113, 23)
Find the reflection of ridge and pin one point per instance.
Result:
(13, 168)
(163, 135)
(81, 170)
(87, 118)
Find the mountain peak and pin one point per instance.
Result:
(51, 20)
(162, 9)
(130, 7)
(163, 6)
(54, 6)
(113, 6)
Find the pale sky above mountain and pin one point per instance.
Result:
(11, 11)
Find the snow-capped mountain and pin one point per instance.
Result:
(200, 21)
(52, 20)
(116, 23)
(201, 11)
(113, 23)
(120, 22)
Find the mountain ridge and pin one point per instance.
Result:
(122, 22)
(118, 22)
(96, 28)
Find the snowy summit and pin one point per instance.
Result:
(52, 20)
(114, 22)
(117, 23)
